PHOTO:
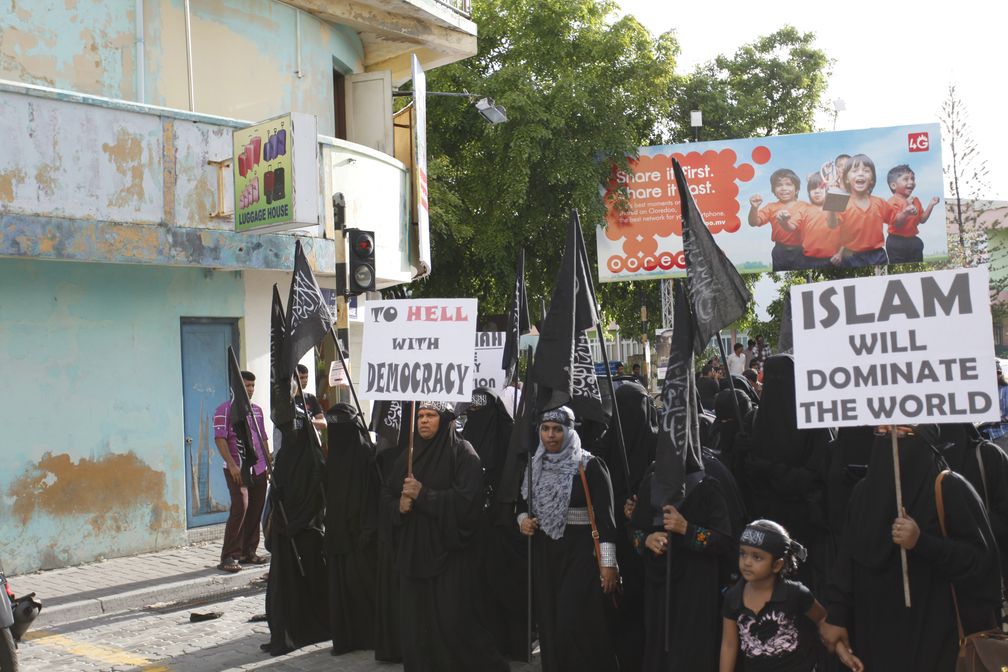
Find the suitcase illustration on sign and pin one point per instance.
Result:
(278, 184)
(268, 178)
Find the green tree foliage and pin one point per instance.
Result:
(582, 89)
(771, 86)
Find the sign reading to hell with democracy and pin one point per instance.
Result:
(900, 349)
(419, 349)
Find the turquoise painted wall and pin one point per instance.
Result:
(92, 406)
(244, 54)
(86, 45)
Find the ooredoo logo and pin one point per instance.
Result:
(918, 142)
(664, 260)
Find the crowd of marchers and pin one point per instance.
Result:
(785, 550)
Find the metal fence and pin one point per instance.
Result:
(463, 7)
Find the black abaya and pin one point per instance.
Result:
(350, 535)
(570, 604)
(297, 608)
(697, 563)
(500, 551)
(440, 630)
(865, 590)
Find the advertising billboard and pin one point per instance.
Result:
(275, 166)
(792, 202)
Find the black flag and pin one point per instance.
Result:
(281, 404)
(308, 314)
(679, 435)
(557, 369)
(518, 320)
(718, 296)
(785, 337)
(241, 410)
(386, 419)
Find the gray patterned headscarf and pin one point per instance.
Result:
(552, 478)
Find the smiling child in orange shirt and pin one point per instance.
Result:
(787, 251)
(903, 244)
(862, 223)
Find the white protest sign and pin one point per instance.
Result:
(489, 355)
(419, 349)
(899, 349)
(337, 374)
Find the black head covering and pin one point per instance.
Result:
(775, 431)
(351, 481)
(298, 476)
(639, 420)
(488, 429)
(741, 384)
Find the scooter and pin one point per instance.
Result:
(16, 615)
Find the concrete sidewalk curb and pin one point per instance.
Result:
(205, 587)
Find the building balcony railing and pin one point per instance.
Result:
(463, 7)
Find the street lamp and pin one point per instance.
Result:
(838, 106)
(488, 109)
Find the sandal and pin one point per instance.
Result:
(255, 559)
(230, 565)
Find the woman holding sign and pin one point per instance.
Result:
(435, 508)
(864, 596)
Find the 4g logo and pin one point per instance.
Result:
(918, 142)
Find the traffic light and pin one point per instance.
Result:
(362, 261)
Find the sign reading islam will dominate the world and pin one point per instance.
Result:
(419, 349)
(901, 349)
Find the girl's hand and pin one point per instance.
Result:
(610, 579)
(628, 507)
(672, 520)
(848, 658)
(657, 542)
(756, 201)
(833, 636)
(529, 526)
(905, 532)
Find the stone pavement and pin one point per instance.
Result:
(122, 584)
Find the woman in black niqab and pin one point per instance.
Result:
(783, 474)
(297, 608)
(500, 550)
(865, 590)
(439, 625)
(351, 529)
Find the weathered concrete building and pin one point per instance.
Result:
(122, 279)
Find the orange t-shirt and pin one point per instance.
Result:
(818, 239)
(861, 230)
(768, 214)
(909, 228)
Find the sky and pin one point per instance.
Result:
(893, 62)
(893, 65)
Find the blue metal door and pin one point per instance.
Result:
(204, 387)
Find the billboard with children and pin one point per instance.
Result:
(792, 202)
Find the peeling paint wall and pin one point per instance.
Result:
(94, 463)
(244, 54)
(81, 45)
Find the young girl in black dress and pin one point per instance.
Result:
(771, 618)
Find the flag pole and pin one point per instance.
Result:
(615, 406)
(279, 501)
(409, 454)
(528, 477)
(899, 512)
(266, 458)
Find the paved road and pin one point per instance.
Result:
(163, 640)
